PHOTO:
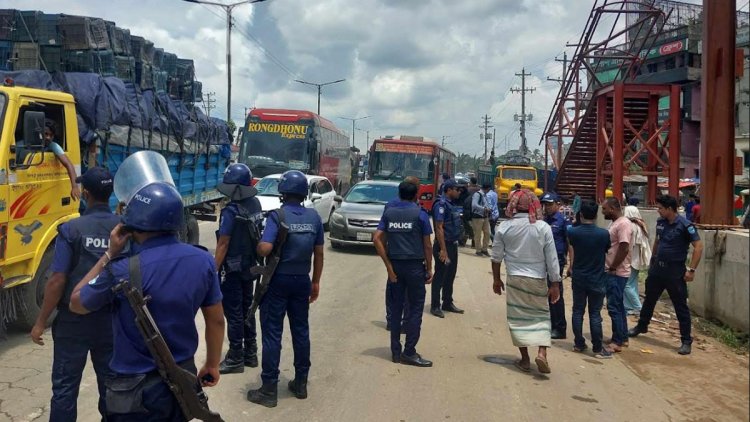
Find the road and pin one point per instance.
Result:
(473, 378)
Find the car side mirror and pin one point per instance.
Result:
(33, 129)
(338, 198)
(315, 196)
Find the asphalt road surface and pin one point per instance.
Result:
(353, 379)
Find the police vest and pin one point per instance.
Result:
(296, 255)
(89, 237)
(404, 233)
(452, 225)
(243, 241)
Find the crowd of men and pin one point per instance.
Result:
(98, 251)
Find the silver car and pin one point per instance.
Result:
(355, 221)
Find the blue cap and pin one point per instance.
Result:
(97, 180)
(450, 183)
(549, 197)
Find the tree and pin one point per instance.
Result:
(232, 128)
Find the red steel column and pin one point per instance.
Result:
(674, 141)
(618, 117)
(717, 111)
(601, 145)
(653, 180)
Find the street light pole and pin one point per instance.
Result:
(228, 10)
(353, 119)
(319, 87)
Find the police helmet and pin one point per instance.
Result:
(293, 182)
(237, 182)
(154, 208)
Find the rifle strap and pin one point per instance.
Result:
(134, 270)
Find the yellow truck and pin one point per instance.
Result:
(35, 196)
(507, 175)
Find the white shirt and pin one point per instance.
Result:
(528, 249)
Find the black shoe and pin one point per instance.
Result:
(556, 335)
(396, 358)
(685, 349)
(437, 312)
(251, 355)
(485, 253)
(233, 363)
(633, 332)
(415, 360)
(266, 395)
(478, 254)
(298, 387)
(452, 308)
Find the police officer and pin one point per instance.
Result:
(446, 215)
(179, 279)
(290, 291)
(555, 219)
(674, 234)
(79, 245)
(237, 239)
(403, 242)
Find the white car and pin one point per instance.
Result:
(320, 195)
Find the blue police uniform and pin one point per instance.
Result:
(79, 245)
(406, 224)
(559, 227)
(180, 279)
(449, 213)
(237, 221)
(289, 290)
(667, 272)
(389, 287)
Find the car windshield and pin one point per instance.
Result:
(268, 186)
(372, 194)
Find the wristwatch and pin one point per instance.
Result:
(690, 269)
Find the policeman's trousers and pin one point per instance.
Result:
(445, 274)
(74, 336)
(676, 287)
(287, 295)
(410, 276)
(238, 296)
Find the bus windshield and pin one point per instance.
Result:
(397, 165)
(270, 148)
(519, 174)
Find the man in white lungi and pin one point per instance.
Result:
(526, 244)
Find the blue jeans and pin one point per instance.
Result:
(616, 308)
(287, 295)
(595, 299)
(631, 299)
(410, 284)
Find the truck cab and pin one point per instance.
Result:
(34, 192)
(506, 177)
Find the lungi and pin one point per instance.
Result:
(528, 311)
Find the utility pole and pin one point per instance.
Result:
(443, 142)
(486, 135)
(523, 117)
(209, 102)
(319, 87)
(353, 119)
(561, 110)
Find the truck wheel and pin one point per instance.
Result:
(192, 235)
(33, 294)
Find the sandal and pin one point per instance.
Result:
(542, 365)
(521, 367)
(582, 349)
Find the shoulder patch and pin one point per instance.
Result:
(441, 209)
(691, 229)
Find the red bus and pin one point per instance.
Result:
(393, 158)
(276, 140)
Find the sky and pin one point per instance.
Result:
(430, 68)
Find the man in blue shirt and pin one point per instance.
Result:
(79, 245)
(402, 241)
(589, 245)
(689, 207)
(290, 291)
(667, 271)
(237, 239)
(179, 279)
(480, 223)
(494, 211)
(446, 214)
(556, 221)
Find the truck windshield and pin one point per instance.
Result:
(275, 147)
(397, 165)
(519, 174)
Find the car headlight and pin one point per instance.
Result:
(337, 218)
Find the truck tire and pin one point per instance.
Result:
(193, 235)
(33, 294)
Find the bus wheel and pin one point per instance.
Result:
(32, 294)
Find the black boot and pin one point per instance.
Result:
(233, 362)
(251, 354)
(266, 395)
(298, 386)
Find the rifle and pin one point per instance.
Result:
(183, 384)
(272, 261)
